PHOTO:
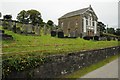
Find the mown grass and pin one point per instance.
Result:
(25, 52)
(48, 44)
(85, 70)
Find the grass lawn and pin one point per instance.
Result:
(47, 44)
(85, 70)
(26, 52)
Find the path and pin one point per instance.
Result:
(110, 70)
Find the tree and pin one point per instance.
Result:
(111, 30)
(50, 23)
(7, 17)
(0, 14)
(34, 17)
(117, 32)
(101, 27)
(22, 16)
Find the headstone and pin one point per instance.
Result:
(72, 34)
(48, 31)
(45, 29)
(14, 28)
(60, 35)
(24, 29)
(75, 33)
(37, 30)
(53, 33)
(10, 25)
(29, 28)
(0, 22)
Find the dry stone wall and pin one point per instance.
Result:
(58, 65)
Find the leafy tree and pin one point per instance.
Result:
(101, 27)
(0, 14)
(5, 23)
(117, 32)
(22, 16)
(111, 30)
(7, 17)
(50, 23)
(34, 17)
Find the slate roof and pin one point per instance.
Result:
(74, 13)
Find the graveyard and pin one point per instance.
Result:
(27, 51)
(29, 46)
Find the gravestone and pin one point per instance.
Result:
(45, 29)
(24, 29)
(19, 25)
(29, 28)
(37, 30)
(75, 33)
(60, 34)
(53, 33)
(14, 28)
(72, 34)
(10, 25)
(1, 22)
(48, 31)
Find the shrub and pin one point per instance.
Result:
(91, 37)
(108, 38)
(86, 37)
(20, 63)
(96, 38)
(14, 28)
(7, 37)
(118, 39)
(2, 31)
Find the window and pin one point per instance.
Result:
(82, 24)
(93, 24)
(62, 25)
(86, 22)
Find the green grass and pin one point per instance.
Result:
(85, 70)
(47, 44)
(25, 52)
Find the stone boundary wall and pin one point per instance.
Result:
(58, 65)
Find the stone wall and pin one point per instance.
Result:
(58, 65)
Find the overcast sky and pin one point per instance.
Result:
(106, 10)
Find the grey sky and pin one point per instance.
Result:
(106, 10)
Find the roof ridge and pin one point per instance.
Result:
(76, 12)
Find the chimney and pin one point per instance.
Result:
(89, 6)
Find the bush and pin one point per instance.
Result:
(21, 63)
(2, 31)
(108, 38)
(53, 33)
(96, 38)
(91, 37)
(14, 28)
(118, 39)
(60, 35)
(7, 37)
